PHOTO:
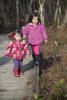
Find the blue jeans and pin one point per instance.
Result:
(17, 64)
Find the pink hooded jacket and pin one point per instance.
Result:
(17, 50)
(36, 34)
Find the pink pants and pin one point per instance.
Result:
(35, 49)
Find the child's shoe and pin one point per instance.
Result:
(16, 73)
(21, 72)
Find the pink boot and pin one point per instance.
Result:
(16, 73)
(21, 72)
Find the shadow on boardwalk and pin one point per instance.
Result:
(28, 66)
(3, 60)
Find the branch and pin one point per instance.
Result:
(31, 2)
(42, 3)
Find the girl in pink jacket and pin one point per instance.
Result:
(36, 34)
(16, 50)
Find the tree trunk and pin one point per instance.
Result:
(30, 7)
(65, 18)
(41, 10)
(17, 9)
(57, 14)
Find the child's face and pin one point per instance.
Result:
(17, 37)
(35, 20)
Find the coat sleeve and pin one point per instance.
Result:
(25, 30)
(8, 49)
(44, 34)
(26, 49)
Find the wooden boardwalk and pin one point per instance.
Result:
(14, 88)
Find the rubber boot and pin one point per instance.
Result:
(16, 73)
(36, 61)
(21, 72)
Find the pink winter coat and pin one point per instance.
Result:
(17, 49)
(36, 34)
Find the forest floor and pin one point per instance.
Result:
(53, 66)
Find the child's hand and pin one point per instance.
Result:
(24, 37)
(46, 41)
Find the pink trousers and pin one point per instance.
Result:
(35, 49)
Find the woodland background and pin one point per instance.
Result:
(16, 12)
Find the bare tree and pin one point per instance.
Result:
(57, 14)
(65, 18)
(30, 6)
(51, 11)
(3, 14)
(41, 10)
(17, 9)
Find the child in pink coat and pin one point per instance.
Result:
(17, 49)
(36, 34)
